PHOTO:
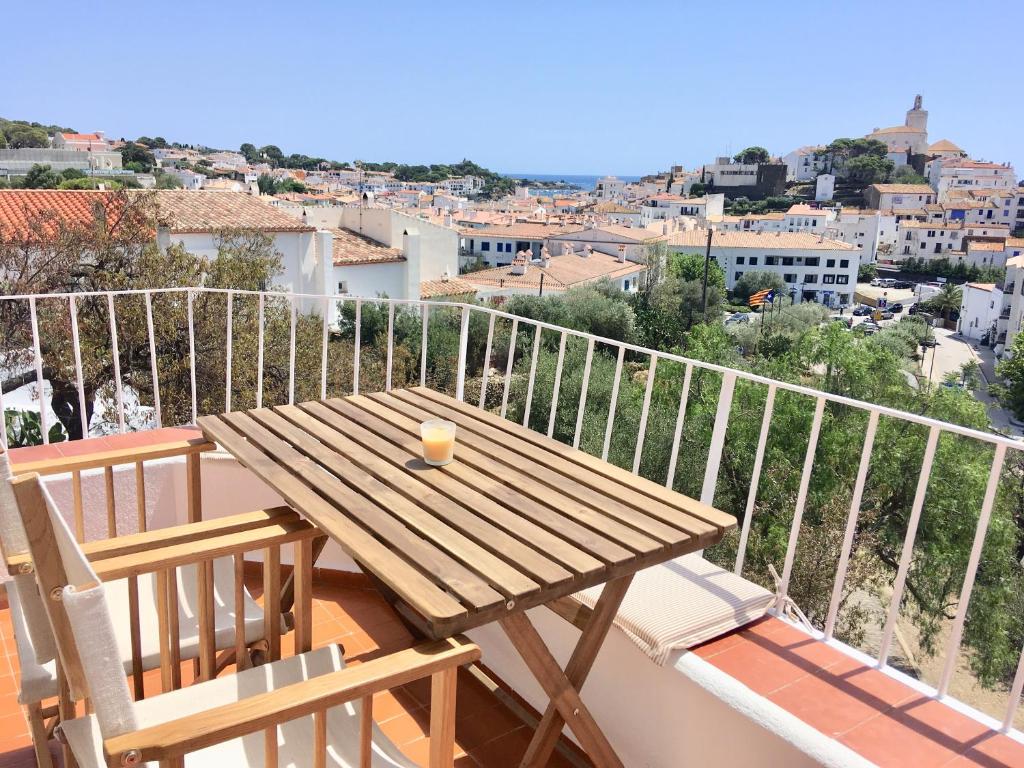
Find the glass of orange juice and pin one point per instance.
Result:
(438, 442)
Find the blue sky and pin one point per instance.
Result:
(544, 87)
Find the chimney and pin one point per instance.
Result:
(448, 219)
(545, 257)
(520, 264)
(622, 254)
(664, 227)
(587, 251)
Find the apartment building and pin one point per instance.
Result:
(938, 239)
(887, 197)
(805, 163)
(946, 175)
(609, 188)
(668, 206)
(813, 267)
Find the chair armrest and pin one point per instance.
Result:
(187, 553)
(203, 729)
(155, 540)
(114, 458)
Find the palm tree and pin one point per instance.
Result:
(948, 299)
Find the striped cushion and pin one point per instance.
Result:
(682, 603)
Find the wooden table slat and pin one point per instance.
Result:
(503, 577)
(433, 562)
(648, 488)
(627, 524)
(422, 594)
(567, 534)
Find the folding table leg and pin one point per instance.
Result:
(563, 691)
(600, 619)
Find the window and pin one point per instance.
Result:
(771, 261)
(739, 261)
(753, 261)
(931, 233)
(343, 286)
(789, 278)
(812, 261)
(738, 276)
(810, 278)
(842, 279)
(485, 246)
(830, 263)
(828, 279)
(787, 261)
(908, 235)
(844, 263)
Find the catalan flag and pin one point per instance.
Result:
(767, 296)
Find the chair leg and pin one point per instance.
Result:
(40, 737)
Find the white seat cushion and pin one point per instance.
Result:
(39, 681)
(295, 738)
(682, 603)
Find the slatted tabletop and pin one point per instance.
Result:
(517, 520)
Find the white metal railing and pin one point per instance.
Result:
(518, 324)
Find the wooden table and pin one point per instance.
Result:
(516, 521)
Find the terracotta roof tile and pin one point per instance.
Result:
(351, 248)
(774, 241)
(452, 286)
(183, 211)
(20, 207)
(903, 189)
(563, 272)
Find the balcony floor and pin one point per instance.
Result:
(488, 734)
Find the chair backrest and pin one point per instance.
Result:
(13, 541)
(77, 609)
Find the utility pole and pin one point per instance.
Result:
(541, 293)
(707, 264)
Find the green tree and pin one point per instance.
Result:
(40, 177)
(137, 157)
(266, 184)
(249, 151)
(753, 155)
(866, 273)
(22, 136)
(167, 181)
(1009, 388)
(905, 174)
(272, 154)
(947, 300)
(869, 169)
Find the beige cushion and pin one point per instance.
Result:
(682, 603)
(295, 738)
(39, 681)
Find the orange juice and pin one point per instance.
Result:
(438, 442)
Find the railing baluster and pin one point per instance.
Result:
(38, 360)
(707, 494)
(645, 410)
(616, 379)
(291, 352)
(513, 337)
(320, 739)
(1014, 700)
(259, 351)
(424, 338)
(908, 546)
(533, 375)
(108, 481)
(356, 351)
(755, 476)
(801, 496)
(116, 354)
(241, 650)
(192, 354)
(227, 352)
(583, 394)
(140, 497)
(174, 629)
(135, 636)
(956, 635)
(272, 600)
(851, 525)
(460, 373)
(152, 361)
(391, 346)
(487, 361)
(79, 380)
(323, 348)
(205, 612)
(557, 387)
(677, 436)
(164, 578)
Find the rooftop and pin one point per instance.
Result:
(451, 286)
(352, 248)
(764, 240)
(563, 272)
(903, 189)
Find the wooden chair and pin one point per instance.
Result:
(307, 710)
(134, 600)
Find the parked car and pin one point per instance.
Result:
(896, 308)
(876, 281)
(885, 314)
(862, 310)
(869, 327)
(903, 284)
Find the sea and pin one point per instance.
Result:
(585, 183)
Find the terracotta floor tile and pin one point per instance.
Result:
(404, 729)
(870, 685)
(995, 751)
(822, 705)
(757, 667)
(718, 645)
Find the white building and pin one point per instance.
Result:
(668, 206)
(959, 174)
(189, 179)
(825, 187)
(804, 218)
(943, 239)
(725, 172)
(805, 163)
(888, 197)
(980, 310)
(82, 142)
(609, 188)
(813, 267)
(861, 228)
